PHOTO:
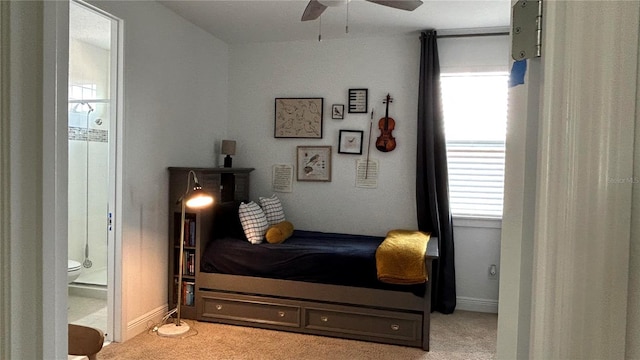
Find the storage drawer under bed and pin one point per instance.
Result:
(360, 323)
(221, 307)
(364, 322)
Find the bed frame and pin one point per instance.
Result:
(384, 316)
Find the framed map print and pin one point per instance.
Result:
(298, 118)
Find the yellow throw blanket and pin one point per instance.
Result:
(400, 257)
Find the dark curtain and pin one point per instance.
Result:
(432, 182)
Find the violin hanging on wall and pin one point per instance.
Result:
(386, 142)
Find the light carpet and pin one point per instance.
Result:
(461, 335)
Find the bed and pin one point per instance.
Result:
(319, 283)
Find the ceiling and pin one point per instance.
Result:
(88, 26)
(248, 21)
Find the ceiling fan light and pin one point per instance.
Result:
(333, 2)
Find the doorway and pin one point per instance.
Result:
(93, 120)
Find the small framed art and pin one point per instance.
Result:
(358, 100)
(337, 111)
(314, 163)
(350, 142)
(298, 118)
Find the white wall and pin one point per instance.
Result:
(175, 110)
(477, 246)
(261, 72)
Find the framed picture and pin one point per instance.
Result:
(337, 111)
(298, 118)
(350, 142)
(314, 163)
(358, 100)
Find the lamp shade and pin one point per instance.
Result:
(228, 147)
(198, 198)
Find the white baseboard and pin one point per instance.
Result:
(144, 322)
(477, 305)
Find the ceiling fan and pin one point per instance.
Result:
(315, 8)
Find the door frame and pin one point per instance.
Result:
(114, 234)
(55, 73)
(55, 184)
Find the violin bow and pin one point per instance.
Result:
(366, 169)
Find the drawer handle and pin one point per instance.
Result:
(395, 327)
(324, 318)
(281, 313)
(218, 307)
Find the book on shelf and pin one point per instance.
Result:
(192, 233)
(189, 232)
(188, 263)
(188, 292)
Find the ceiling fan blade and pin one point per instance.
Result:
(313, 10)
(408, 5)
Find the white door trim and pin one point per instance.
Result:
(5, 204)
(583, 185)
(54, 177)
(582, 232)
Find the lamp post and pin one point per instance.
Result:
(194, 198)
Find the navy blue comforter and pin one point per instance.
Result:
(310, 256)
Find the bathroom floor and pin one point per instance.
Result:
(94, 276)
(87, 311)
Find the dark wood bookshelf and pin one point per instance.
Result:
(224, 184)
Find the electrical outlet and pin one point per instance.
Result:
(493, 272)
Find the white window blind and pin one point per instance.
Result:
(476, 178)
(475, 116)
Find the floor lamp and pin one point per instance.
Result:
(193, 198)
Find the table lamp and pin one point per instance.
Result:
(228, 148)
(194, 198)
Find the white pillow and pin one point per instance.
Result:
(272, 208)
(254, 222)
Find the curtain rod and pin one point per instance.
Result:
(473, 35)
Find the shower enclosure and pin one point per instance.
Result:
(90, 132)
(88, 187)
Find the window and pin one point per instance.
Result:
(475, 117)
(83, 91)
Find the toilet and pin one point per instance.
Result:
(73, 271)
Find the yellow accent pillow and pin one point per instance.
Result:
(279, 232)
